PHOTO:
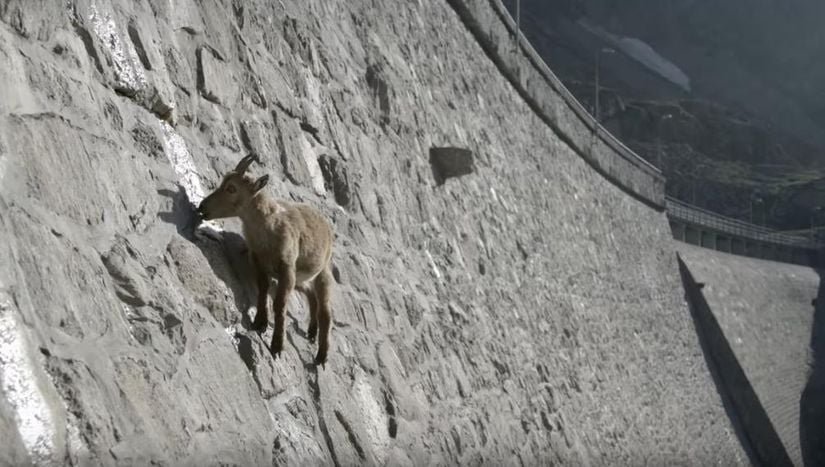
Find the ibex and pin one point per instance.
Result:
(289, 241)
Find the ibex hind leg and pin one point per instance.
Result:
(323, 293)
(286, 283)
(312, 301)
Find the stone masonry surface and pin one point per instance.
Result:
(527, 313)
(765, 310)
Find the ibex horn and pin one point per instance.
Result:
(245, 163)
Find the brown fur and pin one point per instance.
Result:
(288, 241)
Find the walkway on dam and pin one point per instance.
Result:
(697, 226)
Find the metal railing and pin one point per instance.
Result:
(577, 107)
(688, 213)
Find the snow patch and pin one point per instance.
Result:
(19, 384)
(644, 54)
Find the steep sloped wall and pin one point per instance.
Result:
(530, 311)
(766, 311)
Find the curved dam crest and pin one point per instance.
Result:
(530, 311)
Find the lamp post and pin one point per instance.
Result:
(814, 212)
(693, 182)
(754, 198)
(659, 138)
(606, 50)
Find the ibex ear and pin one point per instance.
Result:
(261, 182)
(246, 162)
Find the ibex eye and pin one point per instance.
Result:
(230, 188)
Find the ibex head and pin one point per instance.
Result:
(234, 192)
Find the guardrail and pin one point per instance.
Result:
(695, 215)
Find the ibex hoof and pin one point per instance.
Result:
(258, 326)
(321, 359)
(276, 348)
(312, 332)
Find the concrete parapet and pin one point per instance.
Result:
(496, 32)
(723, 243)
(726, 242)
(737, 246)
(692, 235)
(708, 239)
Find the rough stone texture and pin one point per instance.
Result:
(528, 313)
(764, 309)
(13, 452)
(216, 82)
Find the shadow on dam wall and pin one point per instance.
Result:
(748, 417)
(812, 402)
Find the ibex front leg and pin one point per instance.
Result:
(262, 317)
(286, 282)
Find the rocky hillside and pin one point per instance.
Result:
(526, 312)
(750, 123)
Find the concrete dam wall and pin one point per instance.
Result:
(528, 312)
(765, 312)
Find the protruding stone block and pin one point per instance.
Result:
(215, 80)
(448, 162)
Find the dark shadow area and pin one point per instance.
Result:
(752, 425)
(812, 402)
(183, 215)
(296, 324)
